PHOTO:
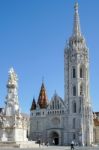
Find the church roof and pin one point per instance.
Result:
(33, 106)
(96, 122)
(56, 97)
(97, 113)
(56, 102)
(42, 99)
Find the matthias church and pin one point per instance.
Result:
(61, 121)
(57, 121)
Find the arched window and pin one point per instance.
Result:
(80, 106)
(81, 89)
(50, 106)
(62, 111)
(81, 72)
(58, 105)
(74, 107)
(74, 123)
(74, 90)
(53, 104)
(74, 72)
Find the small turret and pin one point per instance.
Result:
(33, 106)
(42, 99)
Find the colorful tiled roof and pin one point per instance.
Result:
(42, 99)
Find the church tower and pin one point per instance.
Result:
(76, 87)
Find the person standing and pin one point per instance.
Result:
(39, 141)
(72, 145)
(53, 142)
(47, 143)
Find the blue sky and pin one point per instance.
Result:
(32, 40)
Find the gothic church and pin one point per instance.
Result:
(61, 121)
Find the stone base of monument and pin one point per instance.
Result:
(27, 144)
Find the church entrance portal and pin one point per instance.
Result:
(55, 138)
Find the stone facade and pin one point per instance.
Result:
(61, 121)
(48, 123)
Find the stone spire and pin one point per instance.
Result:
(33, 106)
(42, 99)
(76, 27)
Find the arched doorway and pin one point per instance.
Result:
(55, 138)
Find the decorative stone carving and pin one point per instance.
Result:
(12, 124)
(12, 80)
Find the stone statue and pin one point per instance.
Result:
(3, 121)
(12, 80)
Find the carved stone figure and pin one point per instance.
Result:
(11, 121)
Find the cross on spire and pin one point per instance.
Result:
(76, 27)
